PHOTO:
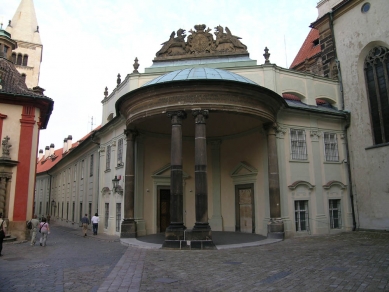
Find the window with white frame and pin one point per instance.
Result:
(118, 216)
(106, 215)
(298, 144)
(108, 158)
(120, 152)
(335, 215)
(82, 169)
(301, 215)
(331, 147)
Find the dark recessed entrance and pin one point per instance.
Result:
(244, 206)
(163, 209)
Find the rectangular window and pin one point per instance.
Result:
(298, 144)
(331, 147)
(120, 152)
(75, 172)
(82, 169)
(62, 211)
(301, 215)
(73, 210)
(67, 210)
(90, 210)
(81, 215)
(106, 215)
(335, 217)
(47, 209)
(40, 208)
(118, 216)
(91, 166)
(58, 210)
(108, 158)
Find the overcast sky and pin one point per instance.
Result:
(86, 43)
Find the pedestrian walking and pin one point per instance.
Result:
(85, 222)
(44, 230)
(34, 229)
(95, 222)
(3, 229)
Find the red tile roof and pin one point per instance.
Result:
(308, 49)
(45, 164)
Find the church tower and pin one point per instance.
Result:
(24, 30)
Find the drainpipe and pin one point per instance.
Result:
(347, 124)
(51, 207)
(98, 171)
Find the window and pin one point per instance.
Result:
(331, 147)
(120, 152)
(298, 144)
(376, 74)
(62, 210)
(19, 59)
(108, 158)
(82, 169)
(301, 215)
(81, 215)
(90, 210)
(75, 172)
(106, 215)
(40, 208)
(67, 210)
(25, 60)
(73, 210)
(118, 216)
(335, 218)
(91, 166)
(14, 58)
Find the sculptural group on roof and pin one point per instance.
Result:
(201, 42)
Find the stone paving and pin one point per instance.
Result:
(355, 261)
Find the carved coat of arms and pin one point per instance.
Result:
(201, 43)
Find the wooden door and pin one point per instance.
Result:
(244, 205)
(164, 209)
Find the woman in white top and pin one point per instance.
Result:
(44, 229)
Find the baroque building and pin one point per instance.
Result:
(206, 139)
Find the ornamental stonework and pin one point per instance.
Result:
(201, 43)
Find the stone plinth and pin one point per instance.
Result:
(128, 228)
(275, 229)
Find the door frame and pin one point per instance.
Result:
(237, 209)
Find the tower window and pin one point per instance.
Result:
(19, 60)
(376, 76)
(14, 58)
(25, 60)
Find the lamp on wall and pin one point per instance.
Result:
(115, 183)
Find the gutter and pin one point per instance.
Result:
(348, 122)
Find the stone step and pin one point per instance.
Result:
(9, 238)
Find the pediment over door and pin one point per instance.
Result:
(243, 173)
(164, 172)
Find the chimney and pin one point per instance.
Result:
(52, 149)
(40, 154)
(70, 139)
(65, 145)
(47, 151)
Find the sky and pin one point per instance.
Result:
(86, 43)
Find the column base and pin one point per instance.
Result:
(275, 228)
(189, 239)
(128, 228)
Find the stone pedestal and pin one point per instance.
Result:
(128, 228)
(275, 229)
(188, 239)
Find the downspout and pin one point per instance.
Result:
(98, 172)
(347, 124)
(51, 207)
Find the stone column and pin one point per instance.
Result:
(175, 231)
(275, 226)
(3, 190)
(201, 186)
(128, 228)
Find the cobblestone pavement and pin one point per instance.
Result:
(355, 261)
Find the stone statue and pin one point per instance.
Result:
(226, 42)
(6, 147)
(175, 45)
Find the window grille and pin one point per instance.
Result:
(91, 166)
(331, 147)
(118, 216)
(120, 152)
(298, 144)
(377, 83)
(301, 215)
(108, 158)
(335, 214)
(106, 215)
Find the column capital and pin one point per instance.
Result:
(270, 128)
(200, 116)
(131, 134)
(176, 116)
